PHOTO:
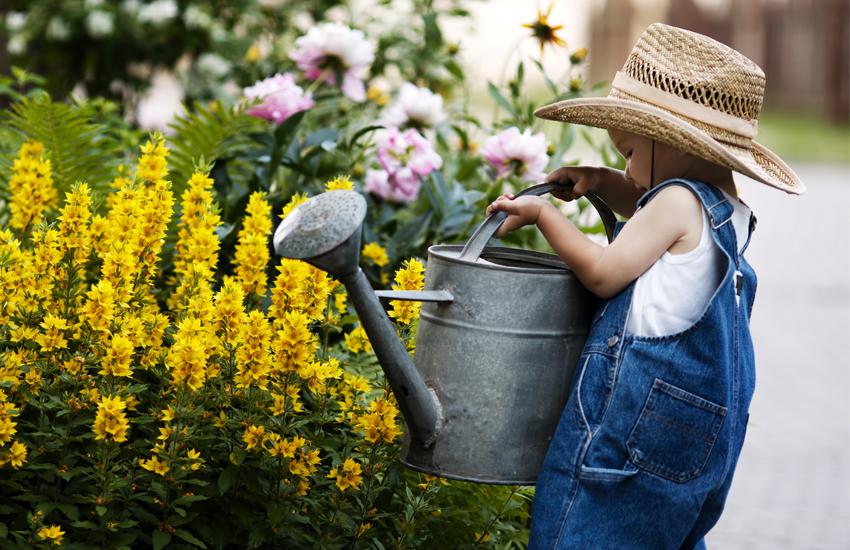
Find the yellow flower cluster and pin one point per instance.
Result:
(410, 277)
(348, 475)
(303, 462)
(16, 454)
(379, 424)
(74, 221)
(252, 251)
(376, 253)
(357, 340)
(339, 182)
(53, 533)
(110, 422)
(31, 186)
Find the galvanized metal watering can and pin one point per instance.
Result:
(500, 333)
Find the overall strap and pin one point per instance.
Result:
(719, 213)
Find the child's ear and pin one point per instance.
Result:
(681, 153)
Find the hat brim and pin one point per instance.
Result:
(757, 162)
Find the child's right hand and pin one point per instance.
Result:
(577, 180)
(521, 211)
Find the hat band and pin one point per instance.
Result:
(685, 107)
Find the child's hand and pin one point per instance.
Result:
(521, 211)
(577, 180)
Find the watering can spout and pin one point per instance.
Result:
(325, 232)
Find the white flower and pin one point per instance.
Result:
(15, 21)
(100, 24)
(158, 12)
(196, 18)
(131, 7)
(16, 45)
(420, 106)
(335, 46)
(57, 29)
(164, 100)
(213, 65)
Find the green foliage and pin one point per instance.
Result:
(79, 149)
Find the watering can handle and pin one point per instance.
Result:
(485, 231)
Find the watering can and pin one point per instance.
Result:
(499, 338)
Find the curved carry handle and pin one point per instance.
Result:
(485, 231)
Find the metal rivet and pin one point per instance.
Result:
(613, 341)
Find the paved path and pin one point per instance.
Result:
(792, 486)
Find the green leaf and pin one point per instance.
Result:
(189, 537)
(4, 531)
(227, 478)
(407, 236)
(160, 539)
(72, 512)
(500, 99)
(101, 510)
(453, 67)
(361, 132)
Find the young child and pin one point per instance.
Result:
(645, 451)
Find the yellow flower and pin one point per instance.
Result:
(296, 199)
(253, 54)
(350, 476)
(543, 32)
(357, 340)
(31, 187)
(480, 538)
(110, 421)
(54, 533)
(195, 455)
(363, 528)
(156, 466)
(376, 253)
(339, 182)
(7, 429)
(17, 455)
(254, 436)
(410, 277)
(301, 490)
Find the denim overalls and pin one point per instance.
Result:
(645, 450)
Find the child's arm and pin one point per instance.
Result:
(671, 221)
(618, 193)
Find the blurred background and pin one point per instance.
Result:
(792, 488)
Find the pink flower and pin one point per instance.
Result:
(281, 98)
(404, 157)
(335, 46)
(522, 154)
(386, 186)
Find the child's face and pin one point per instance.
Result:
(637, 150)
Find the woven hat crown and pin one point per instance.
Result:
(699, 69)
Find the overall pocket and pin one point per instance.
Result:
(675, 433)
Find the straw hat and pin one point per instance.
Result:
(691, 92)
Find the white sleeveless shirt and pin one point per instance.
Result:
(675, 291)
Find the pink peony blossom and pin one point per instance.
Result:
(523, 154)
(281, 98)
(419, 106)
(404, 157)
(386, 186)
(334, 45)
